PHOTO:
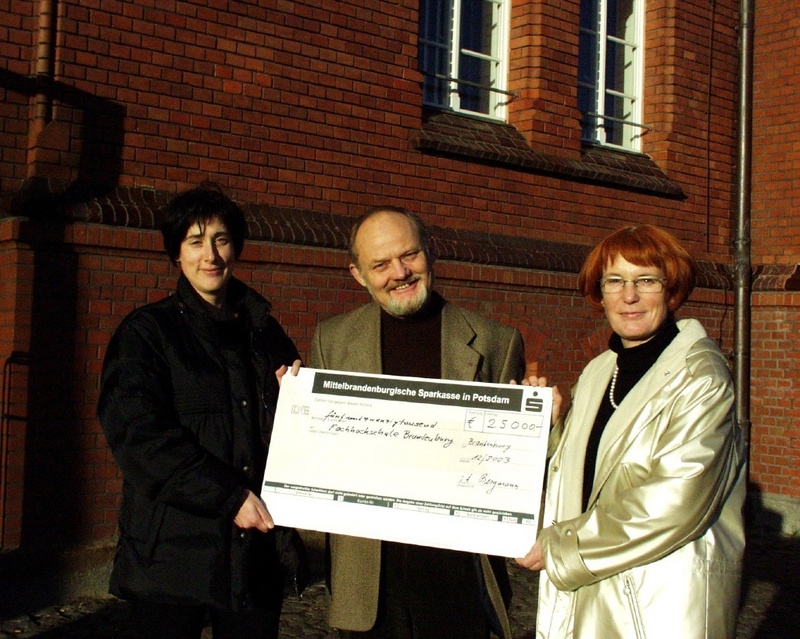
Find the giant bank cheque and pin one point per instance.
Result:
(439, 463)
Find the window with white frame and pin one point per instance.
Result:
(463, 55)
(610, 72)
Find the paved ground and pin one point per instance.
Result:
(770, 605)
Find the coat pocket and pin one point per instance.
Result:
(140, 525)
(293, 560)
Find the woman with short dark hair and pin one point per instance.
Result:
(187, 400)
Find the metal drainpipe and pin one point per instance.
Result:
(742, 272)
(45, 47)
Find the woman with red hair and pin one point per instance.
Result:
(644, 533)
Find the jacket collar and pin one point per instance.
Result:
(245, 302)
(459, 360)
(645, 399)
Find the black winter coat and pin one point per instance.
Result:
(186, 404)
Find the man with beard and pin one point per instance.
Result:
(391, 590)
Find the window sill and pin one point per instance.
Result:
(455, 135)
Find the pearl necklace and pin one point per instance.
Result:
(612, 387)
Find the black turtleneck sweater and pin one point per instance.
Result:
(412, 346)
(632, 363)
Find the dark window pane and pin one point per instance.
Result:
(590, 13)
(619, 19)
(435, 61)
(434, 54)
(587, 99)
(435, 19)
(476, 26)
(474, 70)
(617, 108)
(587, 59)
(586, 104)
(617, 66)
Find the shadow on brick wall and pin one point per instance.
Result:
(771, 588)
(53, 508)
(80, 158)
(88, 152)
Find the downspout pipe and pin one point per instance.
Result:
(45, 47)
(741, 266)
(44, 72)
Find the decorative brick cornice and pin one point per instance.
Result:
(296, 226)
(131, 207)
(776, 278)
(498, 143)
(142, 209)
(713, 275)
(501, 250)
(311, 228)
(54, 199)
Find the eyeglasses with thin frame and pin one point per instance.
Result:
(644, 284)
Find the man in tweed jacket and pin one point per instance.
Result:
(381, 589)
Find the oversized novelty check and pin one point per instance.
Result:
(439, 463)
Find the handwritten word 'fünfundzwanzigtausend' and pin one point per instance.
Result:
(384, 427)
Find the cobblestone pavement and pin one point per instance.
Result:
(771, 595)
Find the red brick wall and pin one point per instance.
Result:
(690, 103)
(776, 134)
(543, 72)
(775, 455)
(314, 108)
(15, 337)
(62, 482)
(17, 33)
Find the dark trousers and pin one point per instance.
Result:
(427, 593)
(166, 621)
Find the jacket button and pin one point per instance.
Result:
(242, 534)
(246, 469)
(555, 468)
(244, 403)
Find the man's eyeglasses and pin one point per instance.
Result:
(642, 284)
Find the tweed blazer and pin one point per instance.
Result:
(474, 348)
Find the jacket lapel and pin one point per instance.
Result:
(635, 412)
(364, 349)
(581, 420)
(459, 360)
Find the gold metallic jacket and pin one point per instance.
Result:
(658, 552)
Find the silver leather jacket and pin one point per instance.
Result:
(658, 551)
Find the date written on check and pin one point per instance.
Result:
(439, 463)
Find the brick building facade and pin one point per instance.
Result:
(310, 112)
(775, 447)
